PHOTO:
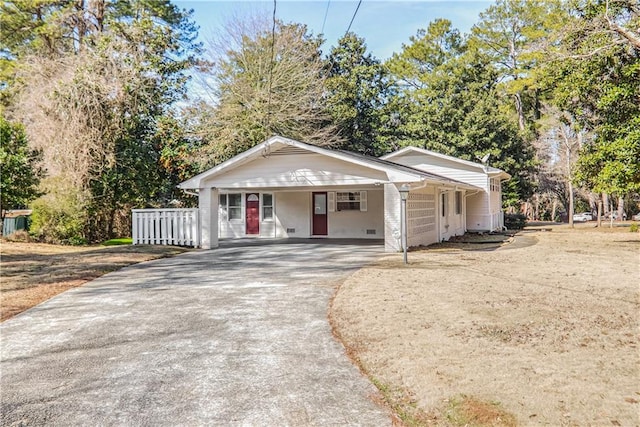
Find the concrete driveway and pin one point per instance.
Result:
(233, 336)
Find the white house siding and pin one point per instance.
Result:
(292, 217)
(208, 208)
(392, 242)
(443, 167)
(367, 224)
(484, 209)
(293, 214)
(497, 220)
(297, 170)
(421, 217)
(451, 222)
(478, 213)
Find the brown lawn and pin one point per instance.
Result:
(545, 334)
(31, 273)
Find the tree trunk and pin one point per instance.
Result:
(620, 209)
(570, 204)
(520, 110)
(599, 213)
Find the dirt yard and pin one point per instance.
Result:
(31, 273)
(542, 331)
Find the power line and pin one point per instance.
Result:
(324, 21)
(273, 43)
(354, 16)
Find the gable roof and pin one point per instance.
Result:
(488, 169)
(272, 145)
(429, 176)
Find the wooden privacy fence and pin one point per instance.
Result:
(165, 227)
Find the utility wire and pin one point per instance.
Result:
(273, 43)
(324, 21)
(333, 61)
(354, 16)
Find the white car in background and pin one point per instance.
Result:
(583, 217)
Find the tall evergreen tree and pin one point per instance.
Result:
(357, 88)
(447, 99)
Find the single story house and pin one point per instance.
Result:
(284, 188)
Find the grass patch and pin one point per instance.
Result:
(403, 405)
(468, 411)
(118, 242)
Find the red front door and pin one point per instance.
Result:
(319, 221)
(253, 213)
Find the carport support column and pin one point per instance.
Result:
(208, 201)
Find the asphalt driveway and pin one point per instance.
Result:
(233, 336)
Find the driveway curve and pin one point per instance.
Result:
(233, 336)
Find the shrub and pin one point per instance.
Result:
(633, 228)
(59, 218)
(515, 221)
(19, 236)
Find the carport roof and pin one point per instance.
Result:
(403, 173)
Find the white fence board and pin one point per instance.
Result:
(177, 227)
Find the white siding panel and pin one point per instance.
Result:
(392, 224)
(355, 223)
(267, 229)
(478, 213)
(295, 171)
(444, 167)
(293, 212)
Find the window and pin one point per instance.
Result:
(458, 202)
(348, 201)
(267, 207)
(235, 206)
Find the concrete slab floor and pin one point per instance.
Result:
(232, 336)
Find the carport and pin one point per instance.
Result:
(287, 189)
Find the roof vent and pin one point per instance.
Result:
(371, 231)
(291, 230)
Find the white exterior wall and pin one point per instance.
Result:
(478, 213)
(293, 212)
(392, 224)
(422, 217)
(208, 206)
(292, 217)
(451, 223)
(447, 168)
(483, 209)
(354, 224)
(298, 170)
(496, 210)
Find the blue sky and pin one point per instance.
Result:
(385, 25)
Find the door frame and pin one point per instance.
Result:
(246, 214)
(326, 213)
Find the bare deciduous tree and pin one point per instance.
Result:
(266, 79)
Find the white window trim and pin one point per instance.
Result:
(242, 218)
(273, 208)
(334, 200)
